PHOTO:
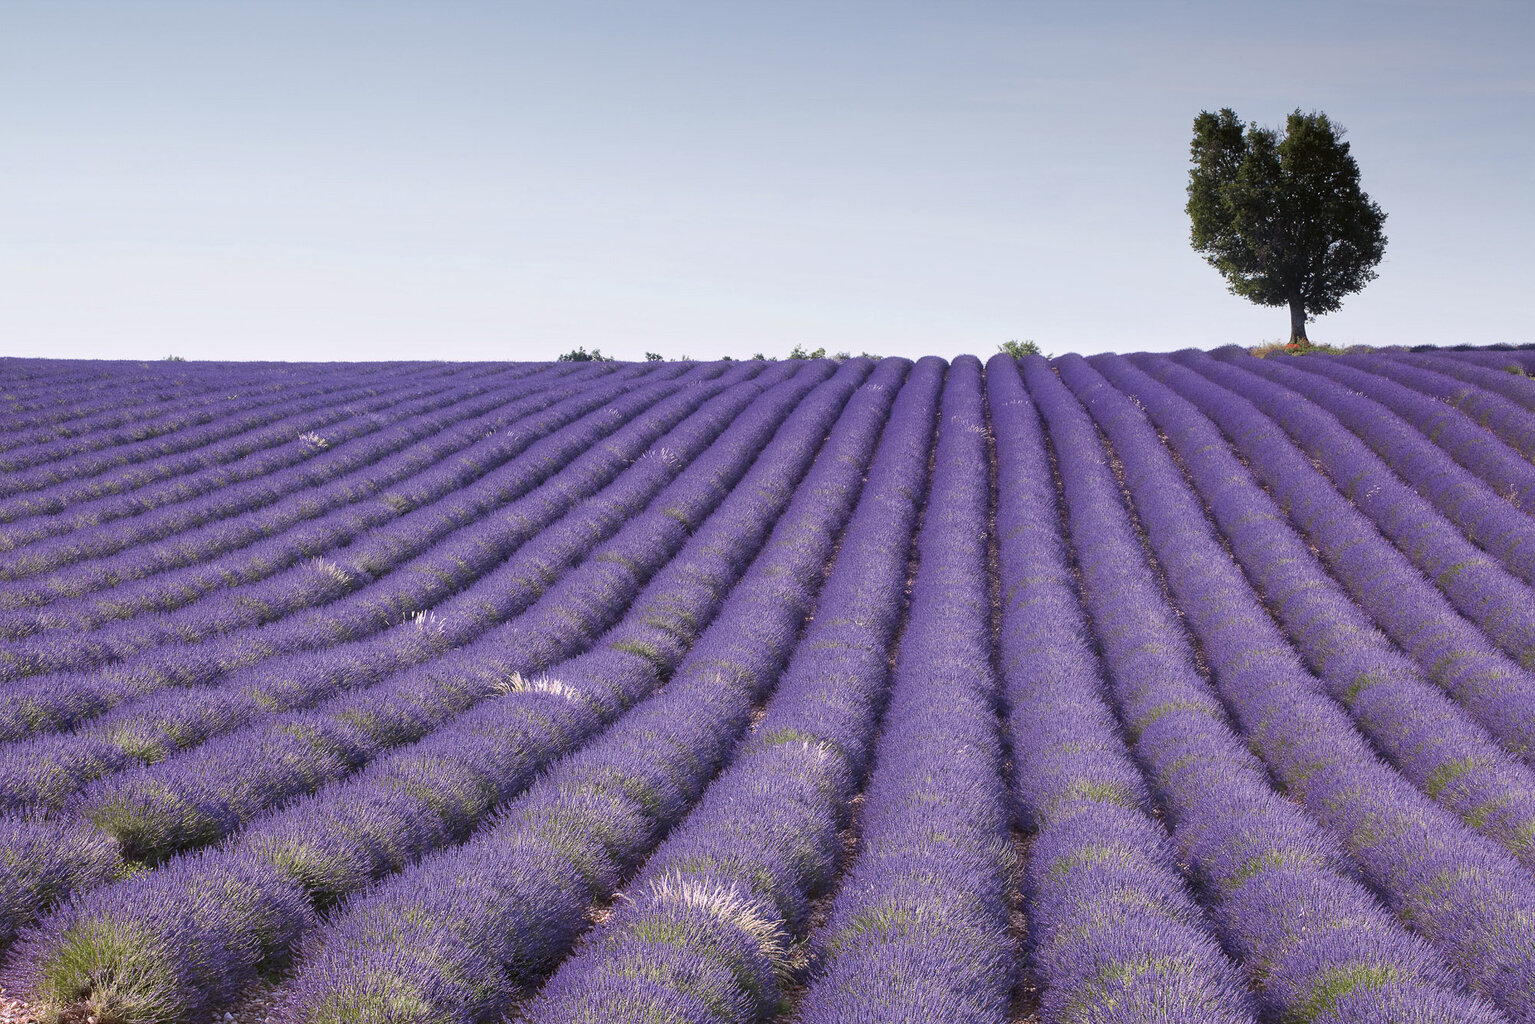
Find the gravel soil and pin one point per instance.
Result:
(253, 1009)
(14, 1011)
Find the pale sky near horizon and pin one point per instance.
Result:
(343, 179)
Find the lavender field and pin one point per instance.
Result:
(1151, 688)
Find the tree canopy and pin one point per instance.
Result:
(1283, 219)
(1018, 349)
(581, 355)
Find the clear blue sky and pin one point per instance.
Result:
(300, 179)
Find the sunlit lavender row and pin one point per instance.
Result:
(1149, 688)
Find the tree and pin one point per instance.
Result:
(1018, 349)
(652, 357)
(581, 355)
(1283, 220)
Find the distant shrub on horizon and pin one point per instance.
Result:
(581, 355)
(1018, 349)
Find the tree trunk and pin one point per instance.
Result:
(1297, 320)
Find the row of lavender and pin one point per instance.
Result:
(609, 575)
(1313, 585)
(378, 703)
